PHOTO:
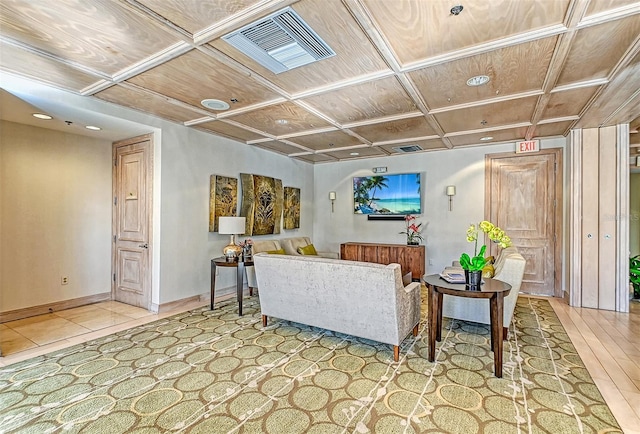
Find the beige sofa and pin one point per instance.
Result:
(290, 246)
(357, 298)
(509, 268)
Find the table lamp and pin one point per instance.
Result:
(231, 226)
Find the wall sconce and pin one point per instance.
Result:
(332, 198)
(451, 191)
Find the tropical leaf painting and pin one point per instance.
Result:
(223, 199)
(262, 202)
(391, 195)
(291, 208)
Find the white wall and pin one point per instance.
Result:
(56, 216)
(445, 230)
(189, 157)
(184, 158)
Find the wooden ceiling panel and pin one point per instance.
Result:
(599, 6)
(315, 158)
(193, 15)
(194, 76)
(507, 135)
(49, 71)
(551, 129)
(433, 144)
(418, 29)
(355, 55)
(147, 102)
(445, 84)
(364, 101)
(228, 130)
(280, 147)
(614, 103)
(597, 49)
(351, 154)
(281, 119)
(395, 130)
(487, 116)
(104, 35)
(568, 102)
(398, 75)
(330, 140)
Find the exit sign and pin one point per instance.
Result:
(527, 146)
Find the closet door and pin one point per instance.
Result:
(598, 248)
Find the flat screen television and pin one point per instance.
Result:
(387, 194)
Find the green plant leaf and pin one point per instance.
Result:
(465, 261)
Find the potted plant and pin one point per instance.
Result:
(634, 275)
(473, 266)
(413, 231)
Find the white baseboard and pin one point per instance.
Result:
(13, 315)
(221, 294)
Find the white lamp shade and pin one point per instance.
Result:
(451, 190)
(332, 195)
(231, 225)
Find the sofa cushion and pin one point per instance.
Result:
(276, 252)
(308, 250)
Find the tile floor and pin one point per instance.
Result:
(30, 337)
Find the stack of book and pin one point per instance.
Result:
(453, 276)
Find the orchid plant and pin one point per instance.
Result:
(495, 234)
(413, 230)
(246, 246)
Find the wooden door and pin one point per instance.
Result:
(132, 221)
(523, 193)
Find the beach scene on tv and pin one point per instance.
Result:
(391, 194)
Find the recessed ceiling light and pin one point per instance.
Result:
(214, 104)
(42, 116)
(478, 80)
(354, 153)
(282, 121)
(486, 138)
(91, 127)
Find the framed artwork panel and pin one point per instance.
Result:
(223, 199)
(291, 208)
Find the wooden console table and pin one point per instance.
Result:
(411, 258)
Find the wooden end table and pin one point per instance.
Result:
(494, 290)
(239, 265)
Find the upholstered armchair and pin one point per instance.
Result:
(509, 268)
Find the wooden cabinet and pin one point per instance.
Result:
(411, 258)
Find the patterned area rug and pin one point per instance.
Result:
(215, 372)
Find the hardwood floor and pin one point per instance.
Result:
(608, 343)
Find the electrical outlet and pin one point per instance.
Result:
(430, 261)
(64, 280)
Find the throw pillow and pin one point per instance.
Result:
(276, 252)
(488, 271)
(307, 250)
(490, 259)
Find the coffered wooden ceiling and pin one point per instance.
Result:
(398, 77)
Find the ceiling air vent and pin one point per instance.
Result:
(280, 42)
(408, 148)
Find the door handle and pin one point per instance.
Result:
(144, 246)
